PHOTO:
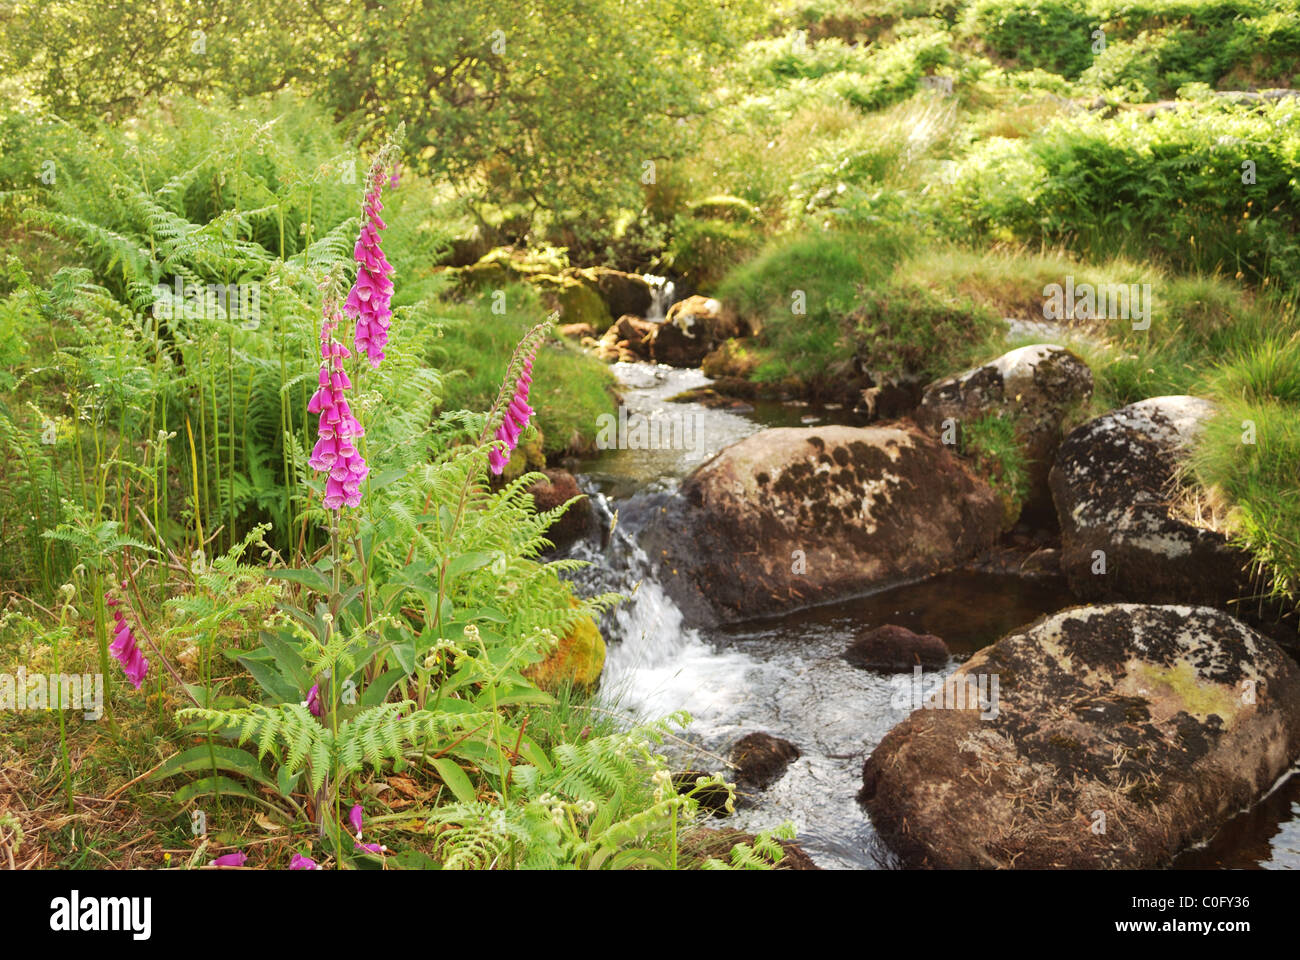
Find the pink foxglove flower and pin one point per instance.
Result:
(235, 859)
(368, 301)
(124, 647)
(516, 418)
(335, 453)
(299, 862)
(314, 703)
(354, 818)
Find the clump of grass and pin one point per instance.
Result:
(991, 444)
(1249, 451)
(907, 329)
(798, 293)
(571, 389)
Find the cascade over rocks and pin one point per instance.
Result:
(1116, 498)
(790, 517)
(1122, 735)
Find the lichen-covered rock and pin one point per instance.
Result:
(891, 648)
(1114, 484)
(791, 516)
(1035, 386)
(761, 759)
(1118, 736)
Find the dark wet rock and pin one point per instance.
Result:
(893, 649)
(1116, 496)
(1036, 386)
(623, 293)
(691, 330)
(1163, 720)
(793, 516)
(761, 759)
(707, 843)
(560, 487)
(880, 396)
(711, 797)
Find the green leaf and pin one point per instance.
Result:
(378, 690)
(467, 563)
(287, 658)
(454, 777)
(281, 689)
(210, 786)
(231, 759)
(286, 782)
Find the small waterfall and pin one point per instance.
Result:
(661, 297)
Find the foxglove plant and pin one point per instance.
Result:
(370, 297)
(335, 453)
(515, 419)
(124, 647)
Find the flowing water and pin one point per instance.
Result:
(786, 675)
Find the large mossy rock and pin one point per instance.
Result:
(1117, 493)
(623, 293)
(1121, 735)
(575, 297)
(790, 517)
(1035, 387)
(577, 660)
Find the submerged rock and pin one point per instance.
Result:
(1116, 494)
(1034, 386)
(893, 649)
(793, 516)
(712, 797)
(1121, 735)
(761, 759)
